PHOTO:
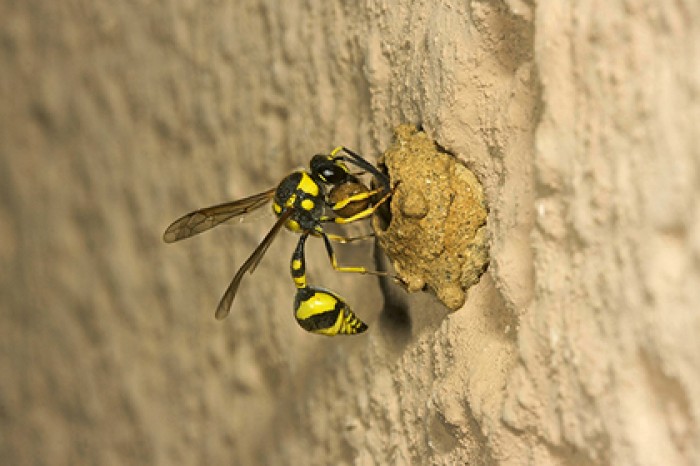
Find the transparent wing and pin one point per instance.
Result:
(209, 217)
(224, 307)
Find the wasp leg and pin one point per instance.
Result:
(348, 239)
(353, 269)
(354, 198)
(362, 214)
(318, 310)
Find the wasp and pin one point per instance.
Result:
(304, 201)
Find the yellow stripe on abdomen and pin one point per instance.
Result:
(316, 304)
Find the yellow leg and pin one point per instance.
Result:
(356, 197)
(343, 268)
(348, 239)
(365, 213)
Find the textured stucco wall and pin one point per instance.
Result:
(579, 346)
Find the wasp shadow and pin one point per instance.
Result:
(395, 319)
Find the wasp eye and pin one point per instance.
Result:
(328, 170)
(334, 174)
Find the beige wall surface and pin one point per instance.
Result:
(580, 345)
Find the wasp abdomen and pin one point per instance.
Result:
(319, 310)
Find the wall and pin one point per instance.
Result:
(579, 345)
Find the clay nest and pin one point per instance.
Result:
(436, 236)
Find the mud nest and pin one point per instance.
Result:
(436, 237)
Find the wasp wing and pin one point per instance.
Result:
(204, 219)
(224, 307)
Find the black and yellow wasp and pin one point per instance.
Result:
(303, 205)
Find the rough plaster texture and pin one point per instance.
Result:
(579, 346)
